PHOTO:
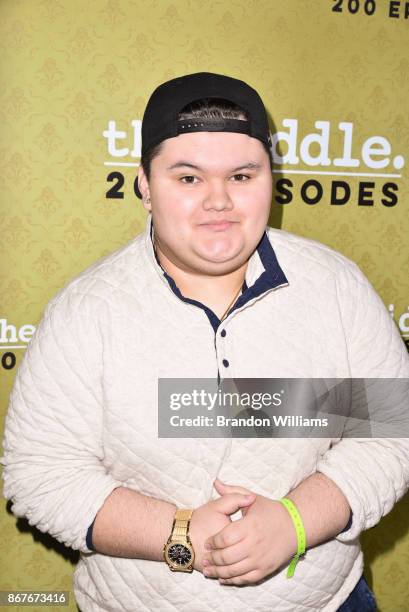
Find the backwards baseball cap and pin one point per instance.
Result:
(160, 119)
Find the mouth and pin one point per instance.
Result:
(218, 226)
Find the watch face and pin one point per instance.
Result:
(179, 554)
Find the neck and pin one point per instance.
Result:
(215, 291)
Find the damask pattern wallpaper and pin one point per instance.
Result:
(75, 78)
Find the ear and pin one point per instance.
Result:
(143, 187)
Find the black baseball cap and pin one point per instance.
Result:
(160, 119)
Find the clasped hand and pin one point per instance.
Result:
(246, 550)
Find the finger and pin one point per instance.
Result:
(233, 533)
(234, 570)
(249, 578)
(226, 556)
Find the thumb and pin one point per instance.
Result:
(223, 488)
(231, 502)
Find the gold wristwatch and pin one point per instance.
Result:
(178, 551)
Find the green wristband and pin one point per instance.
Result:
(299, 529)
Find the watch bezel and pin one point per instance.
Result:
(177, 566)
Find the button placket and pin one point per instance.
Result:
(225, 362)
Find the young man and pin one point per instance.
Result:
(206, 291)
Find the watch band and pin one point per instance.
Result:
(181, 524)
(300, 531)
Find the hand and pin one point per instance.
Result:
(249, 549)
(211, 518)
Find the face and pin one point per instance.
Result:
(210, 199)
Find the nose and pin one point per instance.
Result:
(217, 197)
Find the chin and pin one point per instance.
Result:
(223, 264)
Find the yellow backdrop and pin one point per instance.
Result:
(75, 77)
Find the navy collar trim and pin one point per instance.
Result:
(273, 276)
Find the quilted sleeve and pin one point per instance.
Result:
(373, 473)
(53, 471)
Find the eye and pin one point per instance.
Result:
(187, 177)
(245, 176)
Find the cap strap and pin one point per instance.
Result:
(213, 125)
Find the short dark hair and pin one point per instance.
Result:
(209, 108)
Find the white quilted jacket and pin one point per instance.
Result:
(82, 418)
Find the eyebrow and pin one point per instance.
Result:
(248, 166)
